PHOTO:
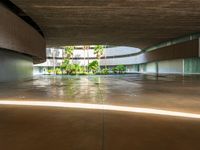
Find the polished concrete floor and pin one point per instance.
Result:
(53, 128)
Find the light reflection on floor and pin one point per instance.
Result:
(102, 107)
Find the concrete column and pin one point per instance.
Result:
(20, 46)
(157, 69)
(15, 66)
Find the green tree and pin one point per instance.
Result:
(64, 65)
(58, 71)
(98, 51)
(86, 49)
(77, 68)
(69, 50)
(93, 66)
(69, 69)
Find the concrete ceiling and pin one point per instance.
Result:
(139, 23)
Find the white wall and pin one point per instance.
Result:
(118, 61)
(120, 50)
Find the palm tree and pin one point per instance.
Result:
(98, 51)
(86, 48)
(54, 60)
(67, 54)
(69, 50)
(105, 57)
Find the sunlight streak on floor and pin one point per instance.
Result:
(102, 107)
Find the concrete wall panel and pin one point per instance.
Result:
(17, 35)
(183, 50)
(15, 66)
(178, 51)
(171, 66)
(151, 67)
(192, 66)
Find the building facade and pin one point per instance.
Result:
(179, 56)
(110, 58)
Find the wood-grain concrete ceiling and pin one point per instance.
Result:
(139, 23)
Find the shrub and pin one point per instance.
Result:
(105, 71)
(119, 69)
(93, 66)
(49, 71)
(58, 71)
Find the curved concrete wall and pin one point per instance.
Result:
(17, 35)
(15, 66)
(189, 49)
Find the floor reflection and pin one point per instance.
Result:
(171, 92)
